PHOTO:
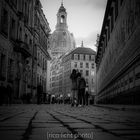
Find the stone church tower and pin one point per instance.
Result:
(61, 40)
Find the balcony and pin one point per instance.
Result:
(22, 48)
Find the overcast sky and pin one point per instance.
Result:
(84, 18)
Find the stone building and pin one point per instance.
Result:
(19, 43)
(42, 31)
(61, 42)
(118, 55)
(83, 60)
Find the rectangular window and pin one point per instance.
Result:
(112, 19)
(12, 28)
(26, 38)
(106, 38)
(78, 57)
(92, 65)
(92, 57)
(75, 64)
(4, 22)
(87, 57)
(2, 67)
(121, 2)
(116, 9)
(137, 76)
(108, 30)
(10, 70)
(81, 57)
(87, 73)
(81, 65)
(75, 57)
(87, 65)
(84, 57)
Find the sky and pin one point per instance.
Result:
(84, 18)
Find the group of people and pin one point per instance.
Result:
(79, 89)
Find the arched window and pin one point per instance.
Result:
(62, 19)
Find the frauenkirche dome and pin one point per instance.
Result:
(61, 40)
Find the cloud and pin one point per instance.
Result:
(88, 41)
(98, 4)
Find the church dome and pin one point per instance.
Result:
(61, 40)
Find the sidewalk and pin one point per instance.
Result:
(133, 108)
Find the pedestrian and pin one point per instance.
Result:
(86, 95)
(2, 93)
(78, 89)
(81, 90)
(39, 93)
(9, 94)
(73, 78)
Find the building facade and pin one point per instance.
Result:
(83, 60)
(118, 55)
(42, 31)
(19, 43)
(61, 42)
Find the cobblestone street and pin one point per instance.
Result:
(43, 122)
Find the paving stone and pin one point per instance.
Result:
(133, 137)
(45, 125)
(80, 125)
(115, 126)
(127, 125)
(102, 136)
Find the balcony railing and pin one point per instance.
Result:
(22, 48)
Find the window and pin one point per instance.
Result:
(75, 57)
(92, 65)
(105, 38)
(4, 22)
(10, 70)
(112, 19)
(121, 2)
(62, 19)
(108, 30)
(20, 33)
(84, 57)
(87, 57)
(25, 38)
(75, 64)
(87, 65)
(116, 9)
(137, 76)
(81, 57)
(78, 57)
(81, 65)
(130, 79)
(92, 57)
(92, 81)
(87, 73)
(12, 28)
(2, 66)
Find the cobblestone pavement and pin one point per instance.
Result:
(62, 122)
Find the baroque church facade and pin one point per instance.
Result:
(61, 42)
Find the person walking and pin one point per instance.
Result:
(73, 78)
(2, 93)
(9, 94)
(81, 90)
(86, 95)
